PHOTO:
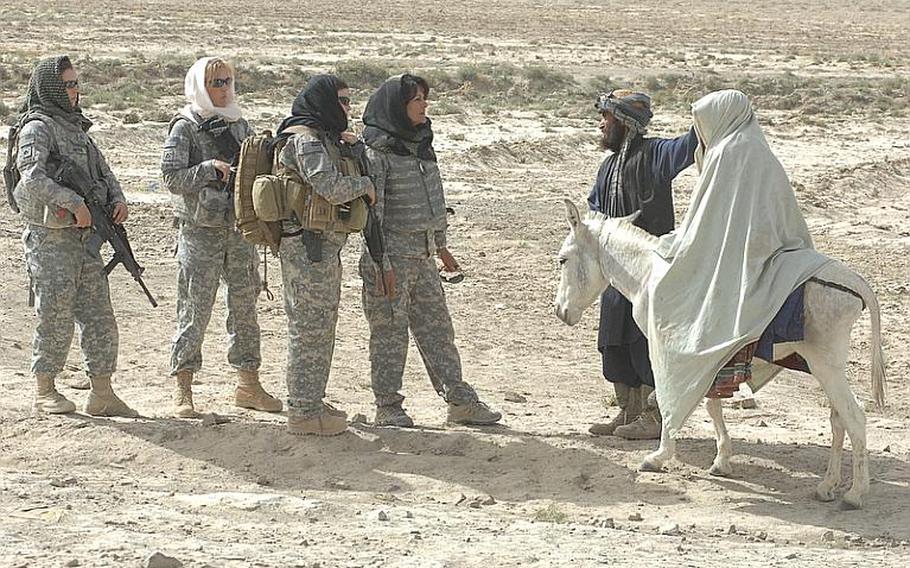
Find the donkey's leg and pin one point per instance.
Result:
(851, 415)
(721, 466)
(655, 461)
(833, 476)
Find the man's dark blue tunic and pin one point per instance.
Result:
(651, 165)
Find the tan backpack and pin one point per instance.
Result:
(265, 194)
(255, 161)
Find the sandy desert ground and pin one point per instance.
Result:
(515, 129)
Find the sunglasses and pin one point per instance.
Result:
(220, 83)
(345, 101)
(70, 84)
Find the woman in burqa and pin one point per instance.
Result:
(403, 292)
(321, 153)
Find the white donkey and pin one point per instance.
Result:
(599, 252)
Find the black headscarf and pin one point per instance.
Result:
(317, 106)
(47, 95)
(388, 127)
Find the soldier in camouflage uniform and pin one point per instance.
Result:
(62, 253)
(203, 140)
(405, 292)
(310, 261)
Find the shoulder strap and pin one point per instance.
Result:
(177, 118)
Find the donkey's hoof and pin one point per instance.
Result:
(850, 503)
(651, 465)
(825, 494)
(720, 470)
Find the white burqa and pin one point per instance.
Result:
(718, 280)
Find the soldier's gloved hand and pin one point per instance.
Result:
(223, 169)
(83, 216)
(120, 213)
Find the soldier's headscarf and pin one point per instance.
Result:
(633, 110)
(388, 127)
(47, 95)
(317, 106)
(198, 98)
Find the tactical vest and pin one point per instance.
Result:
(312, 211)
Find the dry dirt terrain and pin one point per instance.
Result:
(515, 133)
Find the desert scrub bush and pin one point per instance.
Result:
(362, 74)
(545, 80)
(550, 514)
(444, 106)
(263, 79)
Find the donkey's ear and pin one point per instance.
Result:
(572, 214)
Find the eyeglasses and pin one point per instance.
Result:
(219, 83)
(345, 101)
(70, 84)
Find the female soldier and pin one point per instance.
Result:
(61, 252)
(411, 208)
(204, 139)
(320, 153)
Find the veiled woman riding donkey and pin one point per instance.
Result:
(738, 277)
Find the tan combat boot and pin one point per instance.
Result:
(648, 424)
(474, 413)
(392, 415)
(629, 401)
(322, 424)
(183, 398)
(102, 401)
(250, 394)
(48, 400)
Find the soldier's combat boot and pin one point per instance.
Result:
(250, 394)
(322, 424)
(48, 400)
(183, 397)
(102, 401)
(329, 409)
(392, 415)
(476, 413)
(648, 424)
(629, 401)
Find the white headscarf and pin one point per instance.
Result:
(719, 278)
(198, 97)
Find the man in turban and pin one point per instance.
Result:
(636, 175)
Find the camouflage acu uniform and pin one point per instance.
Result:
(312, 285)
(411, 206)
(64, 262)
(209, 249)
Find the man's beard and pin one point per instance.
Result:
(612, 139)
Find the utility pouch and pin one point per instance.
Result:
(313, 244)
(270, 198)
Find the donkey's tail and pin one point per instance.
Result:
(878, 357)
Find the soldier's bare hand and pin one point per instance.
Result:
(385, 283)
(371, 194)
(223, 167)
(449, 264)
(83, 216)
(349, 138)
(120, 213)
